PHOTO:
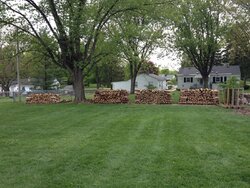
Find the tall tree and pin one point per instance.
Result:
(140, 33)
(238, 36)
(198, 30)
(74, 25)
(7, 66)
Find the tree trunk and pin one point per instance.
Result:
(97, 77)
(6, 89)
(132, 88)
(45, 86)
(205, 81)
(245, 80)
(78, 85)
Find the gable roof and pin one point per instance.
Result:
(159, 78)
(233, 69)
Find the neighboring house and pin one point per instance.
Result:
(142, 82)
(25, 86)
(190, 77)
(68, 89)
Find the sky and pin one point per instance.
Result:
(171, 62)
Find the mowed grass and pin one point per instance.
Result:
(70, 145)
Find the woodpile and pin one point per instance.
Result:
(44, 98)
(111, 97)
(246, 96)
(153, 97)
(199, 96)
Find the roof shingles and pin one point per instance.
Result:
(233, 69)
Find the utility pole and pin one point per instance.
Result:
(17, 65)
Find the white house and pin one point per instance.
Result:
(190, 77)
(142, 82)
(25, 86)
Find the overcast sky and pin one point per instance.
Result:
(171, 61)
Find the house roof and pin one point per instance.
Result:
(233, 69)
(159, 78)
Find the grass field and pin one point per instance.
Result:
(70, 145)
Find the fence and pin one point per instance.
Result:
(233, 98)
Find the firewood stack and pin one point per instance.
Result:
(199, 96)
(246, 96)
(153, 97)
(111, 96)
(44, 98)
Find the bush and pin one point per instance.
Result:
(150, 86)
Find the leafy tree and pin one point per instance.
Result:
(148, 67)
(76, 27)
(38, 64)
(238, 37)
(139, 34)
(7, 66)
(109, 71)
(198, 31)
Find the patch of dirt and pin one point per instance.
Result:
(244, 111)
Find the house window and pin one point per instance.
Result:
(136, 84)
(218, 79)
(188, 79)
(225, 79)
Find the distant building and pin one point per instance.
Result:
(190, 77)
(25, 86)
(142, 82)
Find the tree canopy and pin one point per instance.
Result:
(199, 30)
(75, 26)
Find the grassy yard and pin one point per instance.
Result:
(69, 145)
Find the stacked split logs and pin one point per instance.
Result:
(153, 97)
(247, 97)
(111, 96)
(199, 96)
(44, 98)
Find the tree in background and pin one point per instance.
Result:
(75, 27)
(39, 66)
(138, 33)
(198, 31)
(107, 72)
(148, 67)
(238, 37)
(7, 66)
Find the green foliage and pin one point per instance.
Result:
(232, 83)
(138, 33)
(150, 86)
(148, 67)
(198, 30)
(76, 28)
(7, 66)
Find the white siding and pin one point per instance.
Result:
(186, 85)
(14, 88)
(121, 85)
(142, 80)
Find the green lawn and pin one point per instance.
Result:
(68, 145)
